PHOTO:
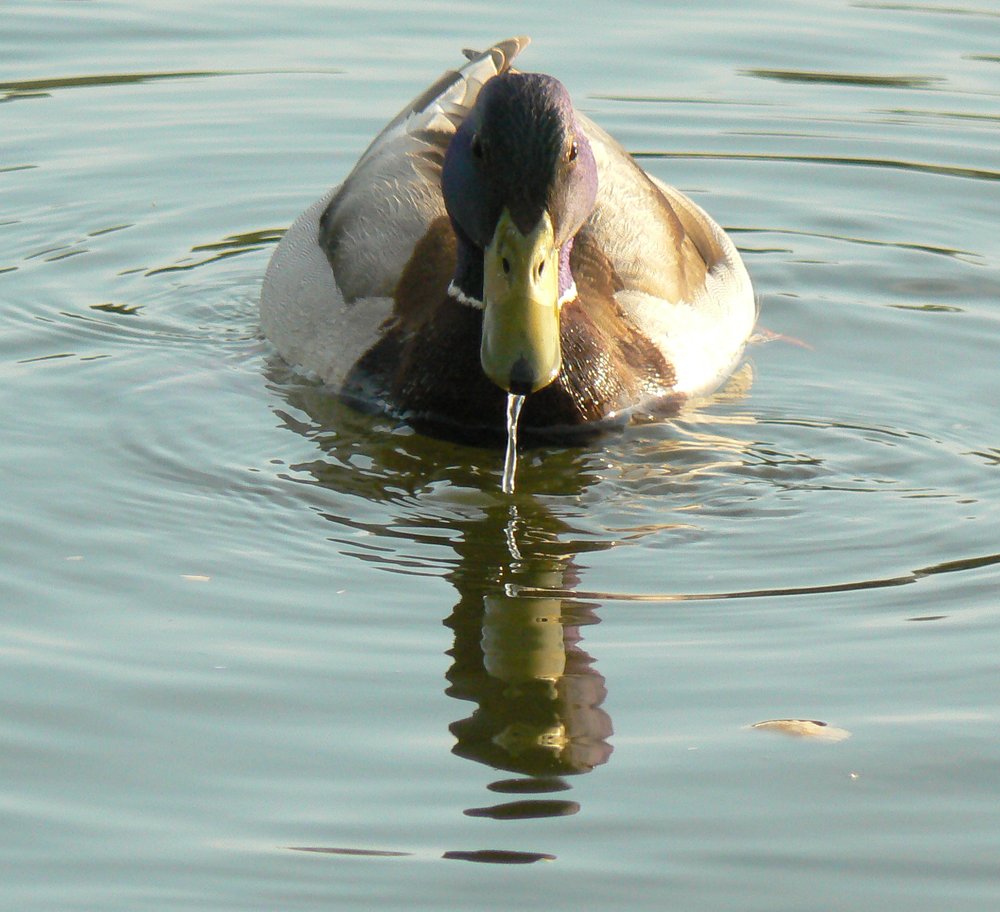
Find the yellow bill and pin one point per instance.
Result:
(520, 349)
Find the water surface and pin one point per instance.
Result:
(260, 651)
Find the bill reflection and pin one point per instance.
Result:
(538, 695)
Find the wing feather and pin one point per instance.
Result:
(388, 201)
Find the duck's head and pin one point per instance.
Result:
(519, 180)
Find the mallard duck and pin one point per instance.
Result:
(493, 240)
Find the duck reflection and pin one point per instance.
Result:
(537, 691)
(518, 658)
(538, 695)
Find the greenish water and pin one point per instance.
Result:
(261, 652)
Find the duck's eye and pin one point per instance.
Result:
(573, 151)
(477, 146)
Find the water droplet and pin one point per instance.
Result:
(514, 404)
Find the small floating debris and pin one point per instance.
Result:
(804, 728)
(195, 577)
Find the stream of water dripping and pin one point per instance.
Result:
(514, 404)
